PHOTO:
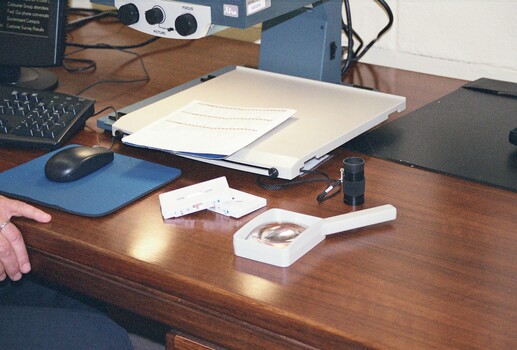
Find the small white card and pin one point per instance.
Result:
(242, 203)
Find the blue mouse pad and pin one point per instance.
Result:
(108, 189)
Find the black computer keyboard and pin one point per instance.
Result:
(40, 119)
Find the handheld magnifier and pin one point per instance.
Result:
(280, 237)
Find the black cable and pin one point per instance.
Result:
(88, 65)
(350, 37)
(91, 64)
(381, 33)
(146, 78)
(355, 34)
(332, 189)
(333, 185)
(287, 184)
(116, 113)
(113, 47)
(97, 15)
(105, 109)
(353, 56)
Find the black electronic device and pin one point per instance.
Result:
(32, 35)
(40, 119)
(74, 163)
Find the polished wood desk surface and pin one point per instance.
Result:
(443, 275)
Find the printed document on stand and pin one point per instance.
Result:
(208, 130)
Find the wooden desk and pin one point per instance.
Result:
(443, 275)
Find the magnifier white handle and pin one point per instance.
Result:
(358, 219)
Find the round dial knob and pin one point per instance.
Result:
(128, 14)
(185, 24)
(154, 15)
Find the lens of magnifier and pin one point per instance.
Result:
(353, 181)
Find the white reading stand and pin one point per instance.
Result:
(327, 116)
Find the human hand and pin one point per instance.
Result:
(14, 259)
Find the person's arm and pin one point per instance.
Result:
(14, 260)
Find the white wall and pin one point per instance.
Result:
(85, 4)
(465, 39)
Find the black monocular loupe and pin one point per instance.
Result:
(353, 181)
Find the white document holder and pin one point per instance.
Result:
(328, 115)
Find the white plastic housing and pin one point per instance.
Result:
(317, 229)
(171, 10)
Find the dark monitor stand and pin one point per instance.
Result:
(25, 77)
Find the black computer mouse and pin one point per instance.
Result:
(73, 163)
